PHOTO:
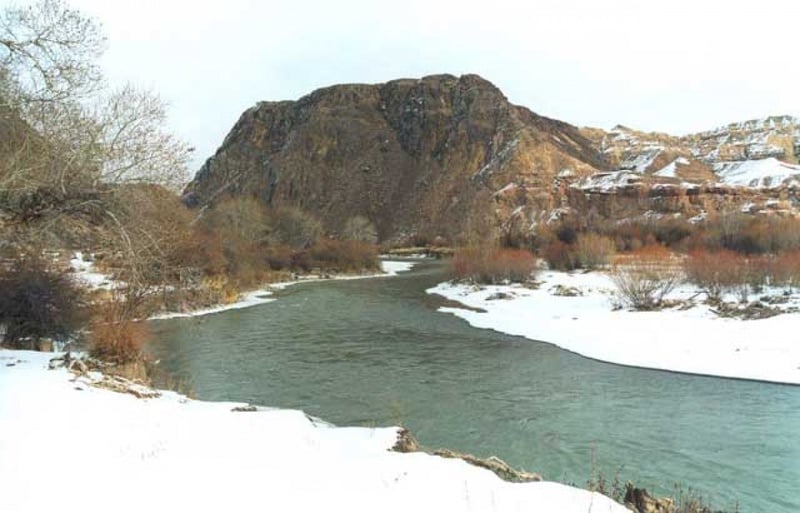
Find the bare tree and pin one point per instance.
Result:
(48, 52)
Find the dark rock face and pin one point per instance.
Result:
(416, 157)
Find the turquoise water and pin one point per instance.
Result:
(376, 352)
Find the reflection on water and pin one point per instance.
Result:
(376, 352)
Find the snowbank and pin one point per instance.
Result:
(67, 446)
(764, 173)
(392, 267)
(261, 296)
(694, 341)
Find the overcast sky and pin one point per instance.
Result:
(676, 66)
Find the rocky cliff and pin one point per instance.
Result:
(420, 157)
(450, 156)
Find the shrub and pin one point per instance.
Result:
(115, 338)
(593, 250)
(786, 269)
(717, 273)
(340, 256)
(646, 278)
(292, 227)
(493, 265)
(37, 302)
(361, 229)
(560, 255)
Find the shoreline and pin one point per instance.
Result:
(263, 296)
(165, 443)
(690, 341)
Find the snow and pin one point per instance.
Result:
(642, 161)
(252, 298)
(86, 275)
(69, 446)
(392, 267)
(693, 341)
(607, 181)
(670, 170)
(262, 296)
(764, 173)
(508, 188)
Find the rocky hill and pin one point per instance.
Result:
(715, 155)
(420, 158)
(450, 156)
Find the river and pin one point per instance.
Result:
(375, 352)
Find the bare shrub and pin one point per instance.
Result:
(292, 227)
(786, 269)
(37, 302)
(114, 337)
(361, 229)
(493, 265)
(342, 256)
(593, 250)
(560, 256)
(717, 273)
(646, 278)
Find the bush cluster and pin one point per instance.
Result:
(37, 302)
(492, 265)
(115, 338)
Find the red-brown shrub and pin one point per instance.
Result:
(493, 265)
(560, 255)
(786, 269)
(343, 256)
(115, 338)
(717, 272)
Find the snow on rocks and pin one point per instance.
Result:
(694, 340)
(763, 174)
(69, 446)
(671, 169)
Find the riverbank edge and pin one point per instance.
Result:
(263, 294)
(690, 341)
(128, 429)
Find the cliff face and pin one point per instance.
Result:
(450, 156)
(423, 157)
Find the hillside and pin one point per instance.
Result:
(420, 158)
(446, 156)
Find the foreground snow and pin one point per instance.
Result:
(67, 446)
(262, 296)
(693, 341)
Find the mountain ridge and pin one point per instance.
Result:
(452, 157)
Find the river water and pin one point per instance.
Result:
(375, 352)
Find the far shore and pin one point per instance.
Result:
(689, 339)
(263, 295)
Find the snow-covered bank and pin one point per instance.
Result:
(68, 446)
(692, 341)
(261, 296)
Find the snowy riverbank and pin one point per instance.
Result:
(693, 340)
(69, 446)
(262, 296)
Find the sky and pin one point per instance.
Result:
(679, 66)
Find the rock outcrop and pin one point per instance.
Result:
(449, 158)
(417, 157)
